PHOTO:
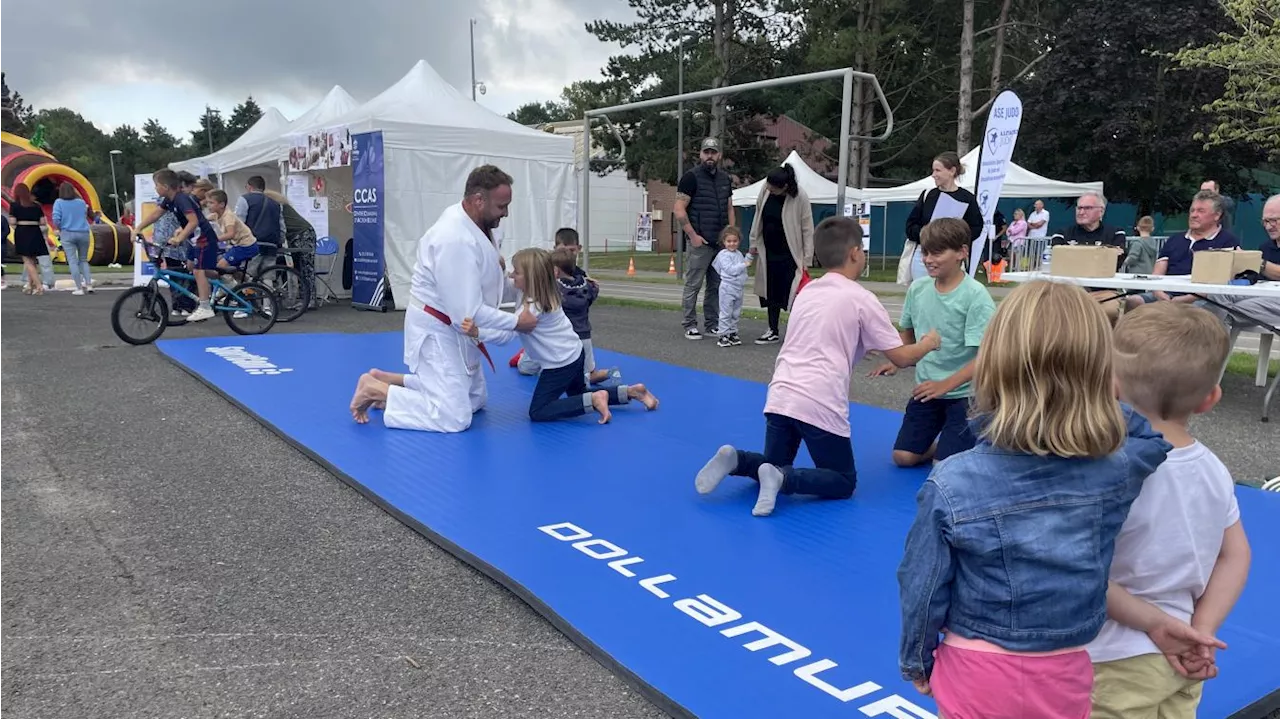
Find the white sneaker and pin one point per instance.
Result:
(77, 292)
(88, 287)
(201, 314)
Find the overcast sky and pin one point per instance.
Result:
(122, 61)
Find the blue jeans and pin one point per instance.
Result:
(76, 245)
(562, 393)
(833, 475)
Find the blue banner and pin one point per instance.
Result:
(368, 263)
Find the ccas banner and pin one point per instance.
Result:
(368, 263)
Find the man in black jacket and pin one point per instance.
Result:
(704, 207)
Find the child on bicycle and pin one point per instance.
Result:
(232, 230)
(192, 225)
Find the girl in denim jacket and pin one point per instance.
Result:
(1009, 553)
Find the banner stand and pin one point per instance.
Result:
(994, 155)
(368, 262)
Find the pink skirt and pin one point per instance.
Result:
(973, 684)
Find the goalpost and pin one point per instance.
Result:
(847, 74)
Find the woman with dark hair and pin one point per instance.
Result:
(782, 236)
(29, 240)
(959, 203)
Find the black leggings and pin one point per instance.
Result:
(775, 313)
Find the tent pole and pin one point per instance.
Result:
(584, 215)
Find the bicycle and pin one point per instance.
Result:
(283, 280)
(240, 305)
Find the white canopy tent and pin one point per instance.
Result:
(433, 137)
(820, 190)
(269, 126)
(1019, 182)
(264, 152)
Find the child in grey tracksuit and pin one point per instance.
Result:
(732, 266)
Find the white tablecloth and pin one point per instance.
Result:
(1152, 283)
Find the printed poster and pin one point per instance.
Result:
(321, 150)
(144, 201)
(310, 200)
(1003, 121)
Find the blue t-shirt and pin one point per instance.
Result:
(1271, 251)
(960, 317)
(180, 205)
(1179, 250)
(71, 215)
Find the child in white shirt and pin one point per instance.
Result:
(732, 266)
(561, 391)
(1181, 556)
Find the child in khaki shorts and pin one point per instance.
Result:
(1181, 556)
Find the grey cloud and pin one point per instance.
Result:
(234, 48)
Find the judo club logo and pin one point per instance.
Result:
(248, 361)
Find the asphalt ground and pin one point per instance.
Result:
(160, 562)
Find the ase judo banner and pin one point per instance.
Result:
(368, 265)
(1003, 121)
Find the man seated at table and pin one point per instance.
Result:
(1262, 309)
(1090, 230)
(1204, 232)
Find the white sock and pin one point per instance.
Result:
(770, 485)
(725, 461)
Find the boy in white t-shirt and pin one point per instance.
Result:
(1181, 555)
(834, 322)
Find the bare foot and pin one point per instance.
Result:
(378, 405)
(643, 395)
(598, 376)
(368, 391)
(600, 403)
(394, 378)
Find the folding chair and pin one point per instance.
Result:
(326, 259)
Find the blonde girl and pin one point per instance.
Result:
(561, 391)
(1010, 549)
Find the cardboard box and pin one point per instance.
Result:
(1219, 267)
(1083, 261)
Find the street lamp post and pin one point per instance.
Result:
(115, 187)
(473, 58)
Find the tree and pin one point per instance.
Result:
(727, 42)
(1133, 125)
(537, 113)
(243, 116)
(1247, 110)
(212, 135)
(18, 116)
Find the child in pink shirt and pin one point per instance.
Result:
(834, 322)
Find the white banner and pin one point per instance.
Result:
(144, 202)
(1003, 121)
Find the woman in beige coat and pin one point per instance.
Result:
(782, 236)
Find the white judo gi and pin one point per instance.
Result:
(456, 275)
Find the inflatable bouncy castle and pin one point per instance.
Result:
(22, 162)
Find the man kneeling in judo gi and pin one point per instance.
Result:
(457, 274)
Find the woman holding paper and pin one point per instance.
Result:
(947, 199)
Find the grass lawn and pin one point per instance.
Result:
(661, 262)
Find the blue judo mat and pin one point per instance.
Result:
(708, 610)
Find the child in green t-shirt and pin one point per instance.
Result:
(936, 424)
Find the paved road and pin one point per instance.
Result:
(163, 563)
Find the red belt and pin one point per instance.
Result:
(445, 319)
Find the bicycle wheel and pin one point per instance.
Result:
(255, 318)
(140, 315)
(286, 283)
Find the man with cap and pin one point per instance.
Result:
(704, 207)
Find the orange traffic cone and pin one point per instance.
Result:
(671, 268)
(631, 267)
